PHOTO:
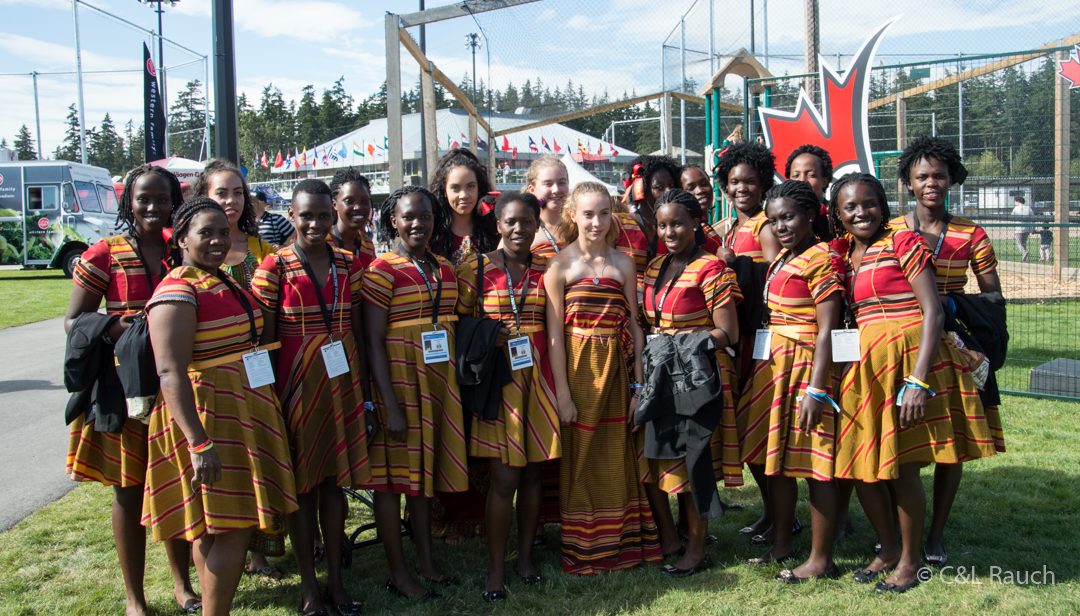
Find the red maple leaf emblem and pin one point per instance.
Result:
(841, 127)
(1070, 69)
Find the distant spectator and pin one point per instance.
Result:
(273, 228)
(1046, 241)
(1022, 231)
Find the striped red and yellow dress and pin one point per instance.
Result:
(433, 456)
(768, 416)
(549, 247)
(633, 241)
(743, 239)
(705, 286)
(527, 429)
(965, 243)
(111, 269)
(606, 521)
(325, 416)
(871, 443)
(363, 249)
(245, 425)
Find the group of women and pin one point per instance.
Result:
(288, 373)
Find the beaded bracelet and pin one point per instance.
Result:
(202, 447)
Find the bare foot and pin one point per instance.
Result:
(136, 608)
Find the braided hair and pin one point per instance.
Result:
(927, 148)
(821, 153)
(756, 155)
(386, 210)
(182, 218)
(650, 165)
(484, 237)
(125, 216)
(804, 196)
(866, 179)
(247, 222)
(690, 203)
(346, 176)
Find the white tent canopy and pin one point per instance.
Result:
(185, 170)
(367, 145)
(577, 174)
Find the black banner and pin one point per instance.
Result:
(153, 111)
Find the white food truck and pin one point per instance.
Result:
(53, 210)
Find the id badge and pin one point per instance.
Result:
(845, 345)
(436, 346)
(650, 337)
(258, 368)
(520, 353)
(333, 356)
(762, 344)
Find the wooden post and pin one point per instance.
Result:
(1061, 169)
(393, 103)
(427, 116)
(901, 143)
(666, 115)
(472, 135)
(812, 47)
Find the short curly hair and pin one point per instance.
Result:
(820, 152)
(650, 164)
(386, 210)
(345, 176)
(756, 155)
(857, 178)
(931, 147)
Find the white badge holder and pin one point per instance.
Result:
(762, 344)
(520, 353)
(333, 356)
(258, 368)
(845, 346)
(650, 337)
(436, 346)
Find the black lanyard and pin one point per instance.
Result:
(435, 294)
(242, 298)
(510, 287)
(550, 237)
(657, 308)
(650, 252)
(340, 242)
(944, 230)
(146, 267)
(326, 315)
(773, 271)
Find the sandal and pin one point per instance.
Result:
(266, 572)
(320, 554)
(865, 576)
(352, 608)
(670, 570)
(494, 596)
(934, 560)
(531, 580)
(446, 581)
(193, 606)
(762, 562)
(788, 576)
(394, 590)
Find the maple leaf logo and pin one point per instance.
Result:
(841, 128)
(1070, 69)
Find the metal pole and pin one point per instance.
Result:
(206, 106)
(663, 88)
(682, 88)
(423, 110)
(712, 48)
(765, 28)
(960, 106)
(37, 116)
(751, 27)
(161, 71)
(226, 129)
(78, 69)
(933, 123)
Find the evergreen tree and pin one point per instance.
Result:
(106, 148)
(24, 145)
(187, 120)
(308, 124)
(70, 148)
(3, 143)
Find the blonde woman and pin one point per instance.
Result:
(548, 180)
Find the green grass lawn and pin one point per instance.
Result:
(1038, 333)
(28, 296)
(1018, 511)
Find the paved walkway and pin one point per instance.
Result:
(33, 437)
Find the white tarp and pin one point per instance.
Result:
(185, 170)
(577, 174)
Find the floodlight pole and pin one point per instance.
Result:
(161, 71)
(472, 41)
(423, 124)
(682, 88)
(78, 68)
(751, 27)
(226, 128)
(960, 110)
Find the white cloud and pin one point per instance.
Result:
(307, 20)
(60, 57)
(578, 22)
(545, 15)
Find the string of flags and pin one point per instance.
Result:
(342, 152)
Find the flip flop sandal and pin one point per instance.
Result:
(193, 606)
(266, 572)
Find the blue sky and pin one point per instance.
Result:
(601, 44)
